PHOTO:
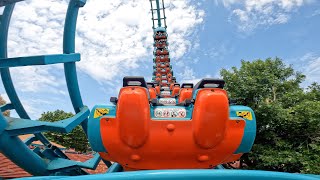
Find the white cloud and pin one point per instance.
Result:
(187, 74)
(316, 13)
(37, 79)
(251, 14)
(32, 105)
(193, 81)
(311, 67)
(117, 40)
(113, 37)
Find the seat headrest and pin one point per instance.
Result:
(150, 84)
(176, 85)
(207, 83)
(134, 81)
(187, 85)
(210, 83)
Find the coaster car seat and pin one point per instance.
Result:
(137, 140)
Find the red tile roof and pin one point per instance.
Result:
(101, 168)
(9, 170)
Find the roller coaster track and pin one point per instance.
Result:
(51, 161)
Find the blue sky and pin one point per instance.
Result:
(115, 40)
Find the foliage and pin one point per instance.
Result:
(288, 116)
(2, 102)
(75, 139)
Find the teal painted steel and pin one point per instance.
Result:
(29, 140)
(68, 48)
(115, 168)
(3, 124)
(158, 13)
(5, 73)
(54, 160)
(17, 126)
(6, 107)
(249, 130)
(19, 153)
(59, 163)
(94, 133)
(38, 60)
(8, 2)
(152, 14)
(11, 92)
(191, 174)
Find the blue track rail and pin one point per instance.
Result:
(190, 174)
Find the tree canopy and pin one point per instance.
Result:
(75, 139)
(288, 116)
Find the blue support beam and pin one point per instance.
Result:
(17, 152)
(6, 107)
(50, 160)
(158, 13)
(60, 163)
(11, 92)
(5, 73)
(35, 162)
(7, 2)
(70, 70)
(29, 140)
(3, 124)
(115, 167)
(17, 126)
(39, 60)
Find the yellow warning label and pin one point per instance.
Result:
(100, 112)
(245, 114)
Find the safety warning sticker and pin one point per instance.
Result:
(100, 112)
(170, 113)
(245, 114)
(167, 101)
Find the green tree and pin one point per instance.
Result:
(75, 139)
(288, 116)
(3, 102)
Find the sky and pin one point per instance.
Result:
(115, 40)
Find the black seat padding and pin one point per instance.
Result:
(187, 85)
(134, 81)
(155, 102)
(114, 100)
(150, 84)
(186, 102)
